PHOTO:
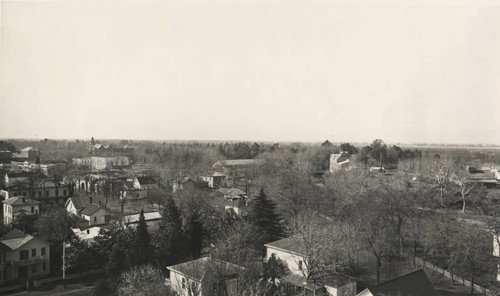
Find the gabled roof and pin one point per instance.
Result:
(16, 239)
(146, 180)
(20, 201)
(197, 269)
(412, 284)
(79, 202)
(289, 244)
(19, 174)
(14, 233)
(91, 209)
(148, 216)
(231, 191)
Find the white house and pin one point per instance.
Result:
(290, 251)
(205, 276)
(19, 205)
(23, 257)
(339, 161)
(214, 179)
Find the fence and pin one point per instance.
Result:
(460, 280)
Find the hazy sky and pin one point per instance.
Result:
(252, 70)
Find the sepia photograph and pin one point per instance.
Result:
(250, 147)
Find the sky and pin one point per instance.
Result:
(402, 71)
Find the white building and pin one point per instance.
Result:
(23, 257)
(205, 276)
(291, 252)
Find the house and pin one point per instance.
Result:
(339, 161)
(188, 183)
(214, 179)
(19, 205)
(23, 257)
(12, 178)
(91, 208)
(414, 284)
(205, 277)
(75, 204)
(41, 190)
(88, 233)
(234, 199)
(95, 214)
(27, 154)
(147, 183)
(152, 219)
(290, 251)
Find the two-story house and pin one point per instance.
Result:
(205, 277)
(292, 252)
(214, 179)
(22, 257)
(19, 205)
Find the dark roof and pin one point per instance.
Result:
(19, 174)
(79, 202)
(196, 269)
(343, 158)
(91, 208)
(146, 180)
(412, 284)
(291, 244)
(14, 233)
(19, 201)
(231, 191)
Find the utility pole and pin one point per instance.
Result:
(64, 264)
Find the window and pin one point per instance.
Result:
(32, 209)
(95, 219)
(40, 194)
(33, 268)
(183, 283)
(65, 192)
(57, 192)
(24, 255)
(4, 258)
(300, 265)
(33, 252)
(44, 266)
(43, 251)
(47, 193)
(24, 193)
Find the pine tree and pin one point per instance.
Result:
(140, 251)
(117, 263)
(263, 215)
(170, 239)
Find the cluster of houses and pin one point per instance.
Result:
(102, 188)
(209, 276)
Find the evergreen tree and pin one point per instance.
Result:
(140, 251)
(117, 263)
(274, 269)
(170, 239)
(263, 215)
(194, 234)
